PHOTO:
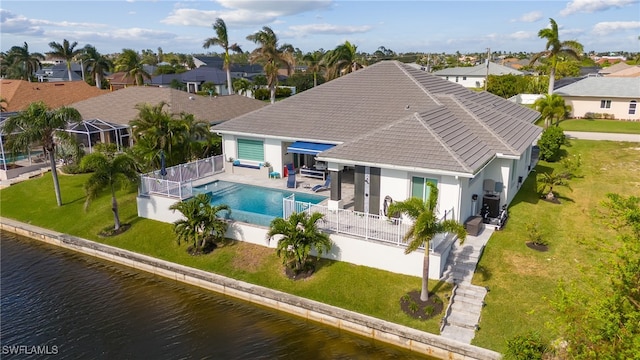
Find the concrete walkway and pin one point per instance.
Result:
(602, 136)
(466, 303)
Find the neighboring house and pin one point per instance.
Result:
(19, 93)
(613, 96)
(396, 128)
(194, 79)
(120, 80)
(605, 71)
(632, 71)
(474, 77)
(165, 80)
(119, 107)
(58, 72)
(211, 61)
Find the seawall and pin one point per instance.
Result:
(384, 331)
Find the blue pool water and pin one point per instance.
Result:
(252, 204)
(10, 158)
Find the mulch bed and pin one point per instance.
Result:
(308, 270)
(418, 309)
(537, 247)
(108, 232)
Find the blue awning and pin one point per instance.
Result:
(308, 148)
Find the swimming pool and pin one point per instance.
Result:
(252, 204)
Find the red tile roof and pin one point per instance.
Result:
(19, 93)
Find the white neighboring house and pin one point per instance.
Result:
(474, 77)
(397, 128)
(617, 96)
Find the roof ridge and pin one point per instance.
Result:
(474, 117)
(412, 78)
(446, 146)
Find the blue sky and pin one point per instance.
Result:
(402, 26)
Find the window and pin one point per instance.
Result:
(419, 187)
(632, 107)
(464, 78)
(250, 150)
(605, 104)
(456, 79)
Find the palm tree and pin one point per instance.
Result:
(20, 57)
(66, 51)
(98, 64)
(156, 130)
(314, 63)
(300, 234)
(552, 107)
(425, 226)
(200, 219)
(110, 171)
(131, 63)
(222, 39)
(242, 86)
(342, 60)
(38, 124)
(555, 49)
(272, 56)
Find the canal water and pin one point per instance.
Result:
(59, 304)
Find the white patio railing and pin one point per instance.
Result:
(178, 181)
(355, 223)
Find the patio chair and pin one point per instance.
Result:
(291, 180)
(323, 186)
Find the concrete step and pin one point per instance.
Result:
(470, 291)
(452, 276)
(461, 334)
(473, 308)
(463, 320)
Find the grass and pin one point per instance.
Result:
(522, 281)
(365, 290)
(599, 125)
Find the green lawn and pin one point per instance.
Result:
(358, 288)
(610, 126)
(522, 281)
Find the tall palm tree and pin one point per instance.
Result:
(222, 39)
(342, 60)
(272, 56)
(38, 124)
(20, 58)
(425, 226)
(110, 171)
(131, 63)
(97, 64)
(314, 64)
(300, 234)
(66, 51)
(200, 222)
(555, 49)
(552, 107)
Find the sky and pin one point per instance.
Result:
(401, 26)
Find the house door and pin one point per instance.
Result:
(367, 189)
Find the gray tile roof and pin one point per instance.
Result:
(119, 106)
(390, 113)
(478, 70)
(614, 87)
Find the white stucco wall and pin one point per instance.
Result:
(449, 196)
(393, 183)
(619, 107)
(469, 82)
(157, 208)
(229, 147)
(273, 154)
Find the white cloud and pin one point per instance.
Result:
(590, 6)
(605, 28)
(529, 17)
(282, 8)
(523, 35)
(328, 29)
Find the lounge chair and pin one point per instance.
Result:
(291, 180)
(322, 187)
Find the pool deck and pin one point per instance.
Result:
(304, 184)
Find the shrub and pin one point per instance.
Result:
(534, 234)
(262, 94)
(525, 347)
(550, 142)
